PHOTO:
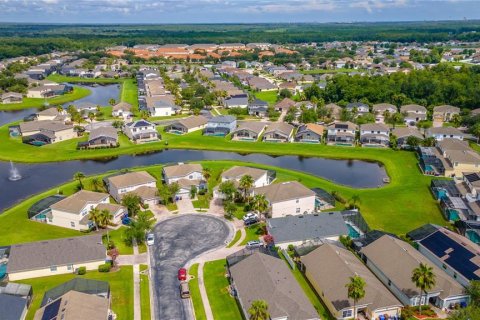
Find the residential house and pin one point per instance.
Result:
(334, 110)
(258, 108)
(122, 110)
(382, 109)
(300, 229)
(454, 253)
(329, 268)
(288, 198)
(46, 132)
(140, 183)
(357, 108)
(53, 257)
(220, 125)
(291, 86)
(403, 133)
(249, 131)
(279, 132)
(341, 133)
(187, 125)
(141, 131)
(374, 135)
(13, 307)
(86, 108)
(73, 212)
(413, 113)
(263, 277)
(78, 298)
(260, 177)
(52, 114)
(260, 84)
(444, 113)
(101, 137)
(398, 276)
(11, 97)
(239, 101)
(458, 157)
(162, 106)
(48, 91)
(440, 133)
(186, 175)
(284, 105)
(310, 132)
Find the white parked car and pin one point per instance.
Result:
(254, 244)
(150, 239)
(250, 216)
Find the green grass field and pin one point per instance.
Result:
(195, 293)
(121, 289)
(267, 96)
(145, 293)
(223, 305)
(235, 239)
(77, 93)
(253, 233)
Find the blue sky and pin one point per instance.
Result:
(234, 11)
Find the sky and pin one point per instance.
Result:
(234, 11)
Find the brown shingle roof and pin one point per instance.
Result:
(182, 170)
(77, 201)
(131, 179)
(236, 172)
(193, 121)
(282, 127)
(284, 191)
(48, 125)
(254, 126)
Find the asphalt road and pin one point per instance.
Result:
(177, 241)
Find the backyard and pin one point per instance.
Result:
(121, 289)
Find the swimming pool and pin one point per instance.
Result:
(3, 270)
(352, 232)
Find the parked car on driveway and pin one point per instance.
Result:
(250, 215)
(150, 239)
(184, 290)
(250, 222)
(182, 274)
(253, 244)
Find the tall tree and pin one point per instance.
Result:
(105, 218)
(112, 102)
(227, 188)
(260, 204)
(97, 183)
(246, 184)
(424, 279)
(132, 202)
(79, 176)
(207, 173)
(94, 216)
(259, 310)
(355, 291)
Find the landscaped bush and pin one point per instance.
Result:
(81, 271)
(104, 267)
(338, 197)
(110, 245)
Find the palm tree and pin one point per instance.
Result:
(259, 310)
(96, 183)
(246, 184)
(355, 199)
(105, 218)
(260, 203)
(79, 176)
(424, 279)
(94, 216)
(112, 102)
(91, 116)
(355, 291)
(206, 173)
(132, 202)
(59, 108)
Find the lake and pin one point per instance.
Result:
(100, 95)
(42, 176)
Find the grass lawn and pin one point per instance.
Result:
(223, 305)
(195, 293)
(310, 293)
(117, 236)
(174, 116)
(145, 293)
(77, 93)
(202, 202)
(267, 96)
(121, 289)
(253, 233)
(410, 203)
(237, 236)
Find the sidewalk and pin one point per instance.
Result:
(137, 310)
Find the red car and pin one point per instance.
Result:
(182, 274)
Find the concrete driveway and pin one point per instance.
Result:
(177, 241)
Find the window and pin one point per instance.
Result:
(53, 268)
(69, 266)
(347, 314)
(444, 266)
(190, 177)
(455, 275)
(297, 201)
(298, 210)
(72, 224)
(389, 282)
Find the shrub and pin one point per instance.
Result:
(81, 271)
(104, 267)
(110, 245)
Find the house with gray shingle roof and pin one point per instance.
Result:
(187, 125)
(403, 133)
(141, 131)
(122, 184)
(186, 175)
(413, 113)
(279, 132)
(249, 130)
(102, 137)
(53, 257)
(374, 135)
(46, 132)
(264, 277)
(220, 125)
(441, 133)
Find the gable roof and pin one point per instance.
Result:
(278, 192)
(330, 267)
(254, 126)
(382, 107)
(139, 123)
(222, 119)
(99, 132)
(263, 277)
(402, 132)
(44, 125)
(307, 227)
(182, 170)
(347, 125)
(374, 127)
(236, 172)
(315, 128)
(286, 103)
(192, 122)
(413, 108)
(58, 252)
(282, 127)
(77, 201)
(407, 258)
(446, 108)
(12, 307)
(122, 106)
(131, 179)
(446, 131)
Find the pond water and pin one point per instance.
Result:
(39, 177)
(100, 95)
